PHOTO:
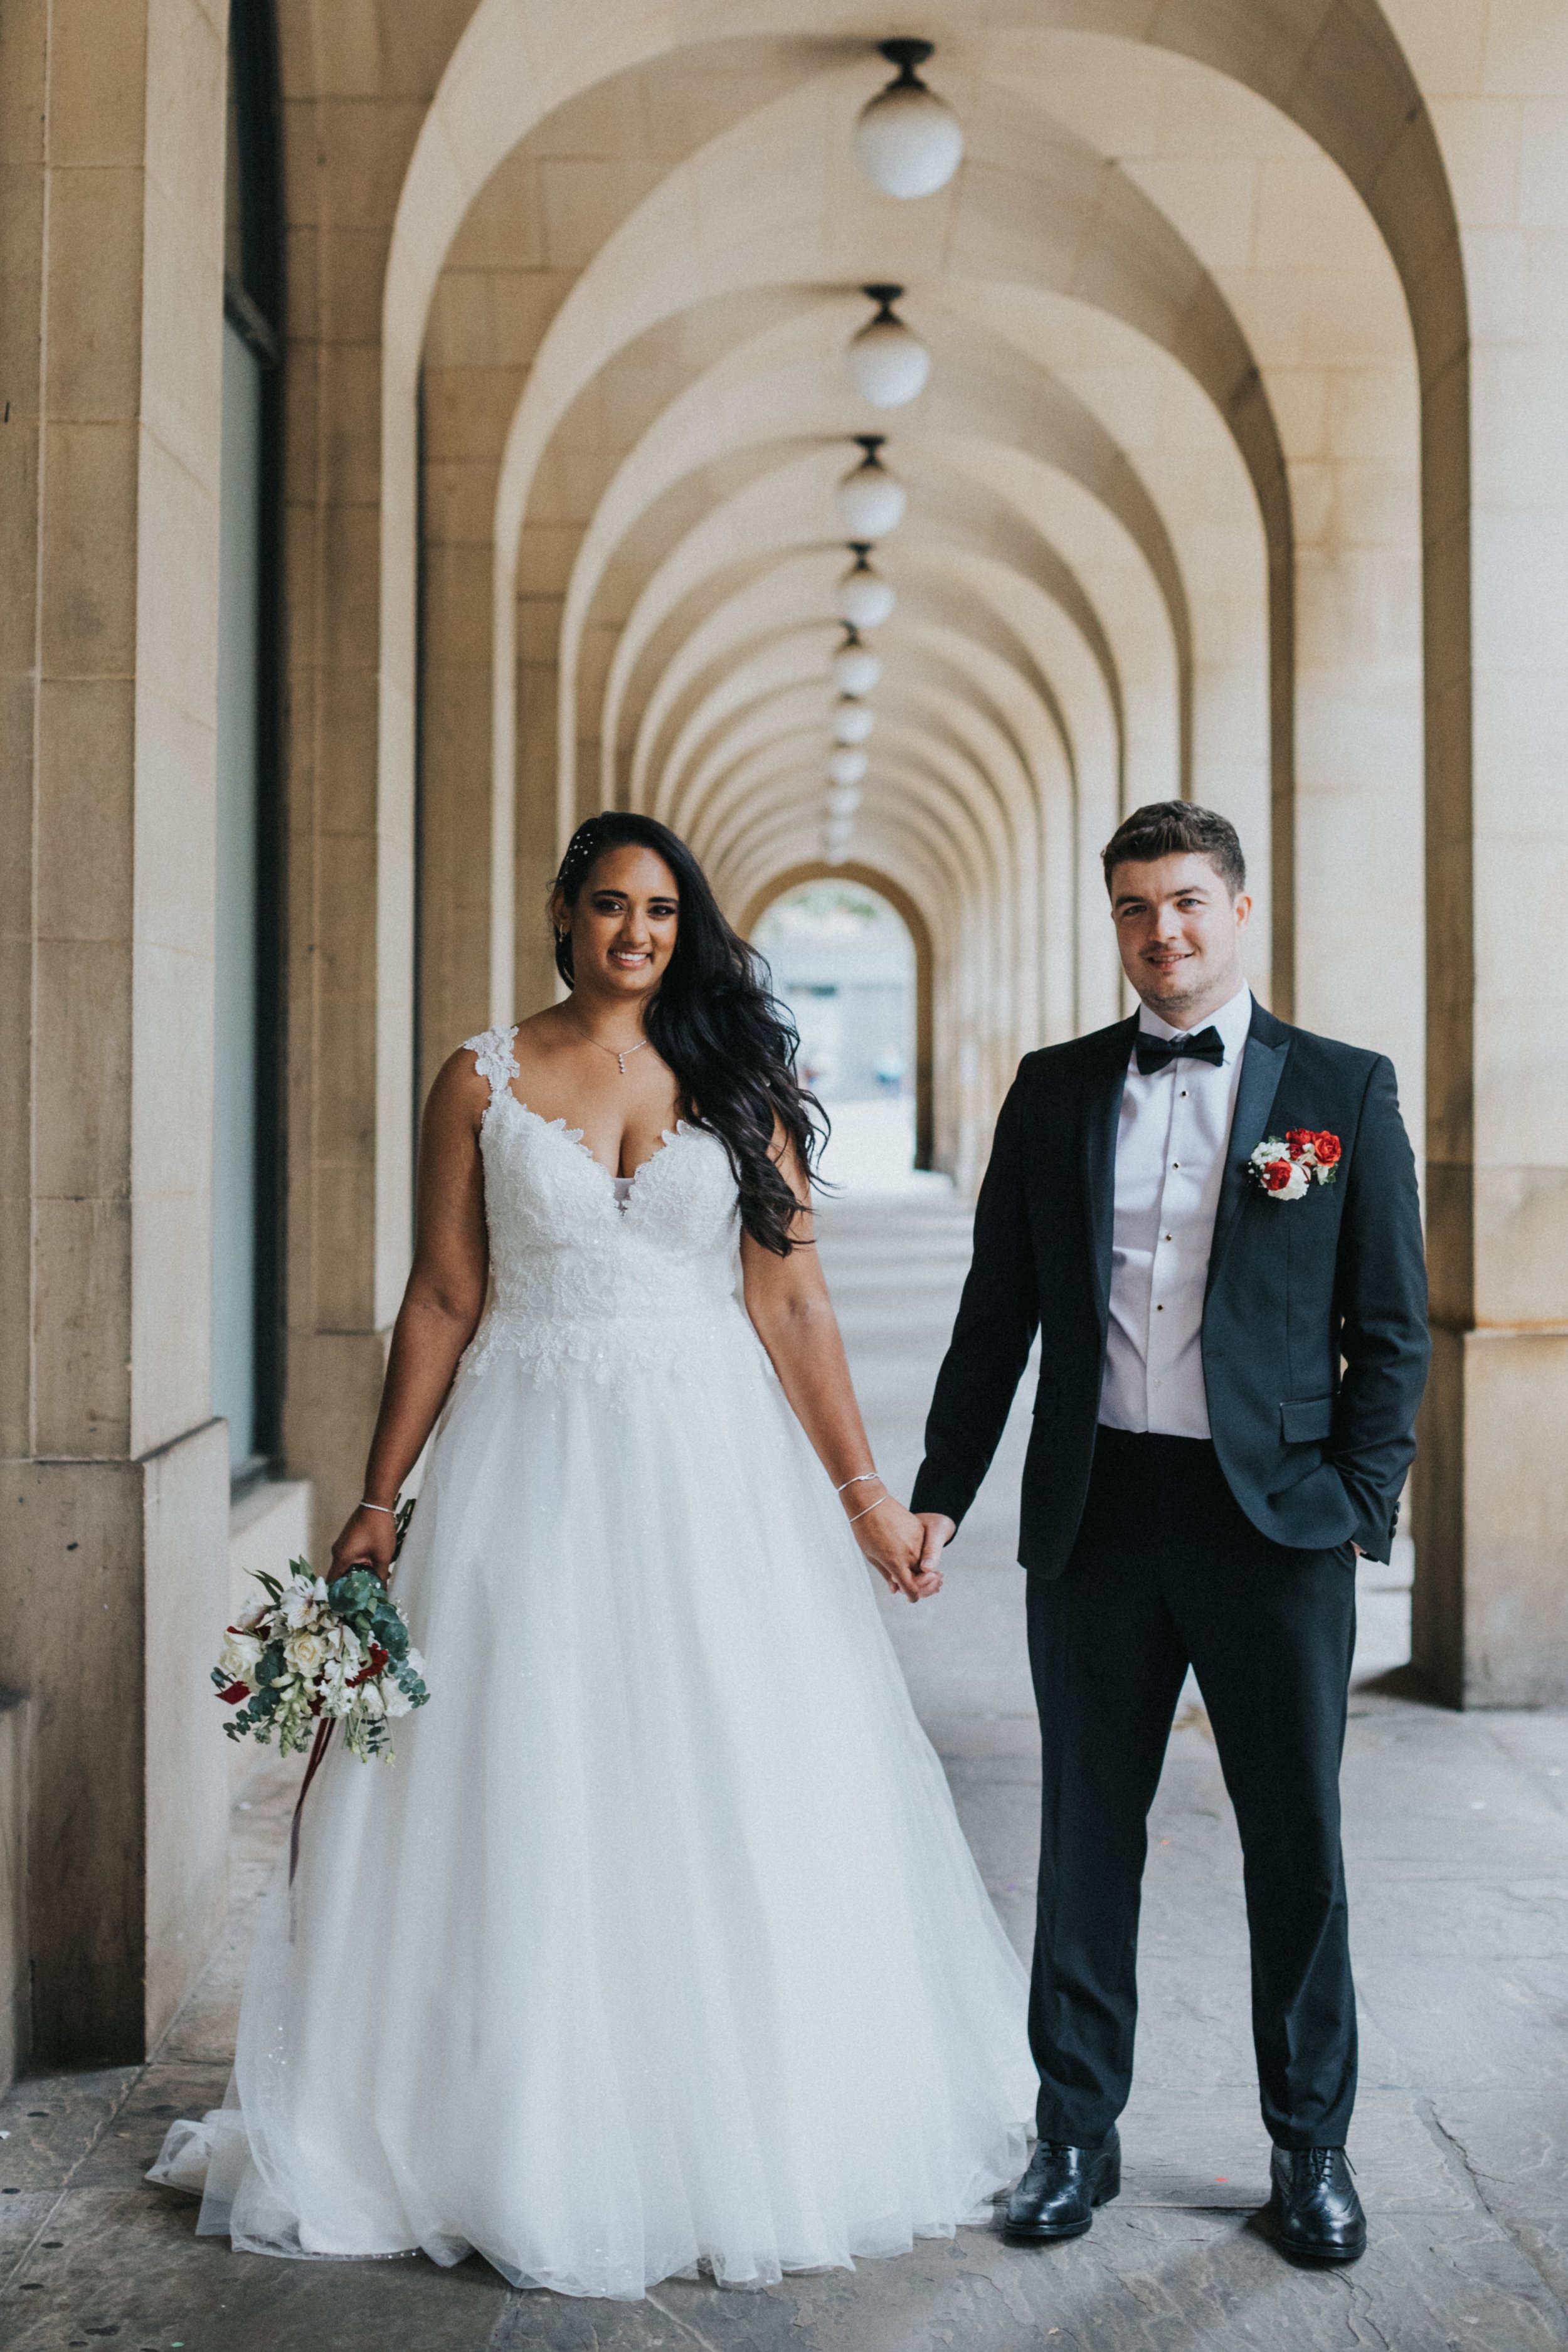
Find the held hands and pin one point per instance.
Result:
(892, 1539)
(939, 1532)
(368, 1540)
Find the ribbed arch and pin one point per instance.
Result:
(659, 458)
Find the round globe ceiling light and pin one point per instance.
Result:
(865, 599)
(852, 723)
(890, 363)
(855, 668)
(910, 142)
(870, 501)
(846, 767)
(843, 800)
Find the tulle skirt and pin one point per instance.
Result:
(659, 1945)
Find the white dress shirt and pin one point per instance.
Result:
(1170, 1144)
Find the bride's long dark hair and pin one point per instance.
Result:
(729, 1042)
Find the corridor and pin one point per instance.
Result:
(1457, 1841)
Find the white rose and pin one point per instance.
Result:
(397, 1700)
(1282, 1176)
(241, 1655)
(307, 1653)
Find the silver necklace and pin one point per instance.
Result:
(620, 1053)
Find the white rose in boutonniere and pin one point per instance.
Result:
(1287, 1170)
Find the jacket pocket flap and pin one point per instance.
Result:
(1299, 1425)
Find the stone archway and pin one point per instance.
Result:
(909, 911)
(1390, 101)
(1350, 92)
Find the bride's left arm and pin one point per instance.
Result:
(787, 1300)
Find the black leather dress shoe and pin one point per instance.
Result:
(1317, 2213)
(1057, 2195)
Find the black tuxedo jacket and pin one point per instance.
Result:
(1314, 1336)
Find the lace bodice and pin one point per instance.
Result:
(583, 1287)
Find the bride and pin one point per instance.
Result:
(659, 1946)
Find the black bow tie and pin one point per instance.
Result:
(1153, 1052)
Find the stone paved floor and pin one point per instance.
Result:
(1457, 1838)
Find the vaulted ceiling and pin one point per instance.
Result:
(1164, 525)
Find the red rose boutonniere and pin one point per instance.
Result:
(1287, 1170)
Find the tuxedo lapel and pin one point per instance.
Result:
(1262, 1067)
(1101, 1109)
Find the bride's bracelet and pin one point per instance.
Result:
(378, 1507)
(861, 1478)
(870, 1508)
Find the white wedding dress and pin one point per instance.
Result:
(659, 1945)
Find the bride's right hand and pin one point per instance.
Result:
(892, 1539)
(368, 1540)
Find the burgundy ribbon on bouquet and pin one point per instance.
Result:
(323, 1737)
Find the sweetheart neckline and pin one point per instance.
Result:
(573, 1136)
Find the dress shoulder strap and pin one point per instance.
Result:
(493, 1057)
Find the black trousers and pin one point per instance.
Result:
(1167, 1571)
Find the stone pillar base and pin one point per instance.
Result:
(16, 2023)
(113, 1597)
(1490, 1612)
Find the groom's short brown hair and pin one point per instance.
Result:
(1177, 829)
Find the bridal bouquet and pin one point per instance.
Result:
(308, 1654)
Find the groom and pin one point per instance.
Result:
(1234, 1345)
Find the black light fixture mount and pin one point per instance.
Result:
(906, 54)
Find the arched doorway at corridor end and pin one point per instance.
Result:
(846, 940)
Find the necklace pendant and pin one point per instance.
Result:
(621, 1059)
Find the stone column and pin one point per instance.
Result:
(1491, 1621)
(352, 106)
(113, 1477)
